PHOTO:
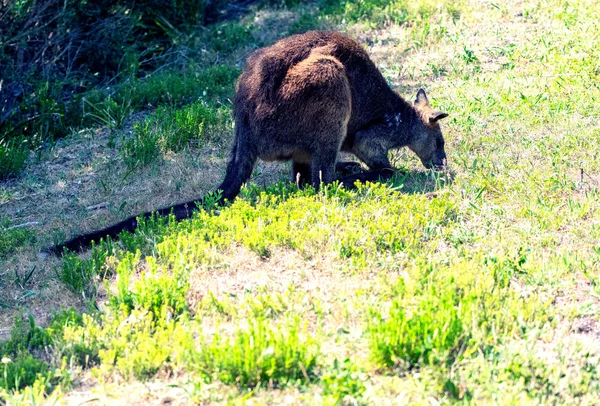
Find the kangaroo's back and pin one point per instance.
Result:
(258, 88)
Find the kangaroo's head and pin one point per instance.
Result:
(426, 138)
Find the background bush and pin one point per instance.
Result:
(51, 51)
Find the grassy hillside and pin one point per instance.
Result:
(478, 285)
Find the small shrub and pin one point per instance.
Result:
(124, 297)
(343, 382)
(25, 337)
(78, 273)
(159, 293)
(149, 232)
(143, 148)
(19, 368)
(79, 340)
(108, 113)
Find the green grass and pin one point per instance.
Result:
(13, 239)
(13, 154)
(478, 285)
(261, 354)
(169, 130)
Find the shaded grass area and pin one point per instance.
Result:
(474, 286)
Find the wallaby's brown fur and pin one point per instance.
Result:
(311, 95)
(305, 99)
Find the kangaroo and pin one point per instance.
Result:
(305, 99)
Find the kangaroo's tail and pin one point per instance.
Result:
(180, 211)
(238, 171)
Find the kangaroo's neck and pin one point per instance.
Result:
(394, 114)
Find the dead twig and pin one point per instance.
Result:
(24, 225)
(98, 206)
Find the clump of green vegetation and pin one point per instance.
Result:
(174, 88)
(429, 330)
(12, 239)
(20, 369)
(344, 382)
(169, 130)
(13, 153)
(22, 372)
(377, 13)
(262, 353)
(78, 274)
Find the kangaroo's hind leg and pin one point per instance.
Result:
(323, 164)
(301, 173)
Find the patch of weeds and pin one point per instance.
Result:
(187, 124)
(468, 56)
(136, 344)
(426, 331)
(78, 274)
(262, 353)
(378, 13)
(15, 238)
(25, 337)
(109, 113)
(13, 153)
(267, 305)
(123, 298)
(176, 88)
(19, 368)
(229, 36)
(149, 232)
(161, 293)
(143, 148)
(170, 130)
(78, 339)
(22, 371)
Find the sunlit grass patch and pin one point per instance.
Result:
(428, 331)
(262, 353)
(443, 313)
(357, 225)
(377, 13)
(173, 88)
(13, 153)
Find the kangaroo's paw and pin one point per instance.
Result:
(348, 168)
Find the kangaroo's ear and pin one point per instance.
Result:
(435, 116)
(421, 99)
